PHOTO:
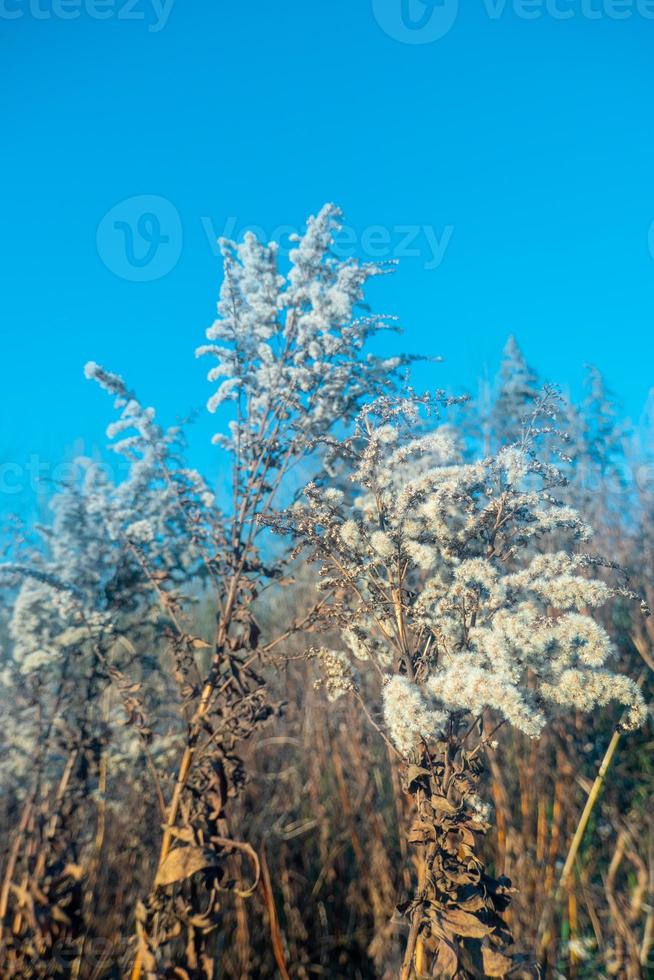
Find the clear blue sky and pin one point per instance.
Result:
(517, 150)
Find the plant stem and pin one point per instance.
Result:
(543, 937)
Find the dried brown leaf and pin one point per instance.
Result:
(440, 803)
(465, 924)
(184, 862)
(446, 963)
(495, 964)
(415, 772)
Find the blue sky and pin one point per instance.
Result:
(508, 163)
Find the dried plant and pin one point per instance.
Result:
(291, 354)
(437, 589)
(179, 801)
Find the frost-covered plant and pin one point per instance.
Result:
(452, 581)
(83, 611)
(525, 782)
(291, 367)
(434, 561)
(517, 392)
(459, 581)
(290, 347)
(83, 594)
(598, 444)
(102, 604)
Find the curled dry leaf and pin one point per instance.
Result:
(254, 858)
(184, 862)
(414, 773)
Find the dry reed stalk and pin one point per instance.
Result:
(275, 932)
(543, 934)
